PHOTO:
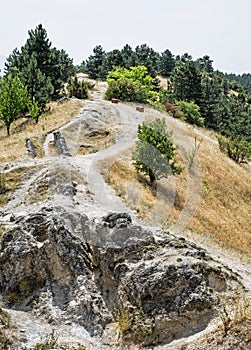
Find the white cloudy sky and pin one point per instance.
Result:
(218, 28)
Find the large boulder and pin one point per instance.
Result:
(157, 287)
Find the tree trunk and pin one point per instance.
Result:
(8, 129)
(151, 176)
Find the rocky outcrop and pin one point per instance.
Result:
(60, 144)
(157, 287)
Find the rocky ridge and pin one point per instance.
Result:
(101, 279)
(66, 268)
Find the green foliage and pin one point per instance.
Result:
(13, 99)
(212, 99)
(243, 80)
(237, 149)
(147, 57)
(78, 89)
(186, 80)
(100, 62)
(94, 62)
(128, 56)
(42, 68)
(166, 63)
(155, 154)
(132, 84)
(126, 90)
(191, 112)
(112, 59)
(205, 64)
(34, 109)
(39, 86)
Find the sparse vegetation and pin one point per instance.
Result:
(51, 341)
(237, 149)
(222, 193)
(14, 147)
(12, 180)
(5, 340)
(124, 320)
(235, 312)
(134, 325)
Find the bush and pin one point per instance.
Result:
(237, 149)
(126, 90)
(191, 112)
(78, 89)
(174, 111)
(132, 85)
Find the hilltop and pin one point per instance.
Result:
(103, 280)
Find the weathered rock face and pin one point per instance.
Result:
(70, 269)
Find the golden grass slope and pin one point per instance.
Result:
(220, 214)
(221, 211)
(14, 147)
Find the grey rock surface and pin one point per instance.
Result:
(70, 269)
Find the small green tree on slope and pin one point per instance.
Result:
(155, 154)
(13, 99)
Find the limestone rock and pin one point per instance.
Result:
(62, 266)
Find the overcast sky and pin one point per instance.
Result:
(218, 28)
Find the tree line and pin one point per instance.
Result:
(195, 92)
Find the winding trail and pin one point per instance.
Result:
(94, 197)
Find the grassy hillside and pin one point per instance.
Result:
(209, 201)
(14, 147)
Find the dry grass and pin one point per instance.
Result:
(95, 143)
(12, 180)
(14, 147)
(222, 215)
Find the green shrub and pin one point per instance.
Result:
(132, 85)
(191, 112)
(78, 89)
(126, 90)
(237, 149)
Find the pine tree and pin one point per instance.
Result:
(94, 62)
(128, 56)
(186, 80)
(205, 64)
(112, 59)
(54, 67)
(39, 86)
(146, 56)
(211, 99)
(166, 63)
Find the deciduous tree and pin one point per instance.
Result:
(155, 154)
(13, 99)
